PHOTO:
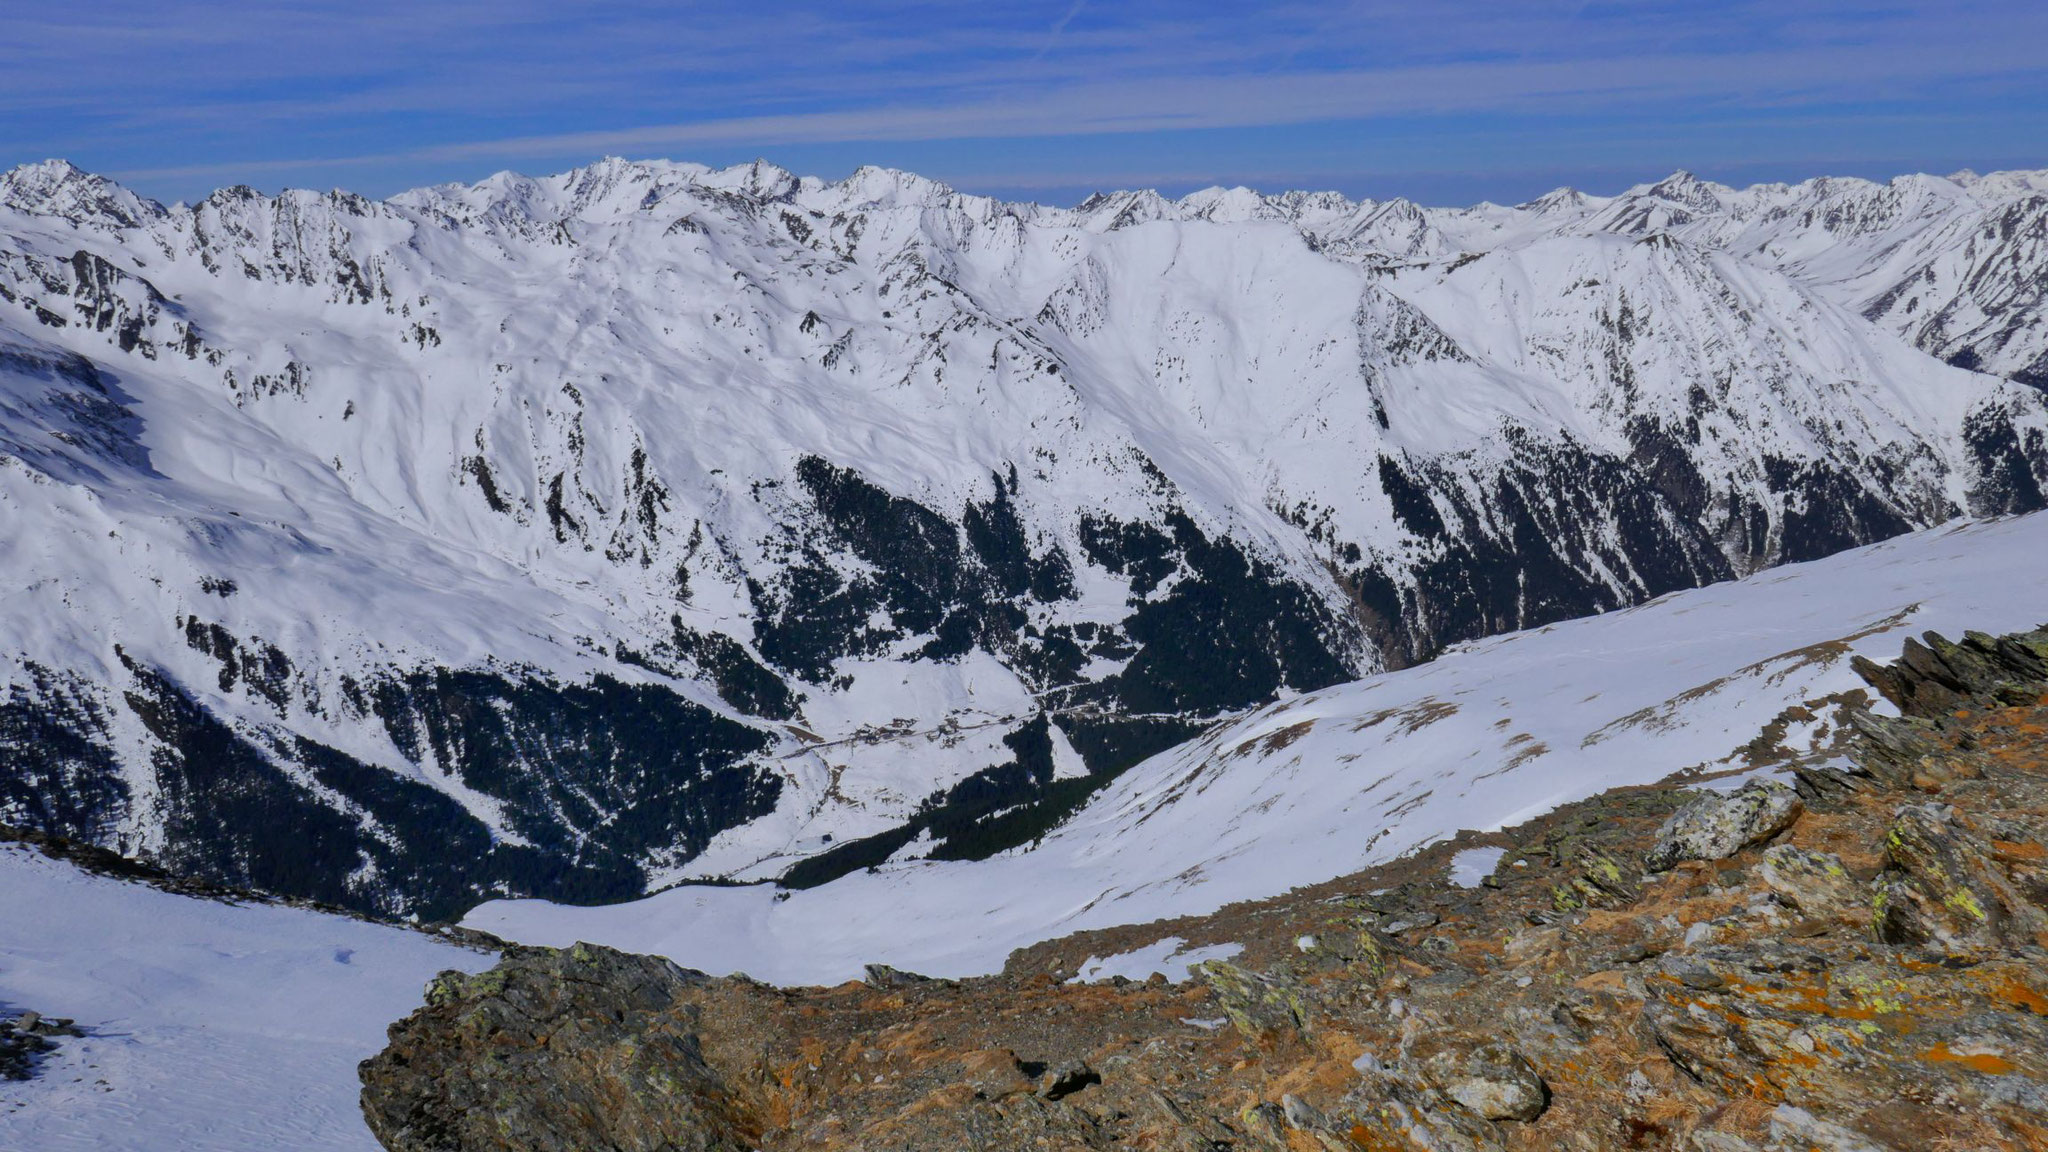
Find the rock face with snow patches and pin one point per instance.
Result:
(568, 537)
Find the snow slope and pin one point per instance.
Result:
(570, 536)
(211, 1027)
(1325, 783)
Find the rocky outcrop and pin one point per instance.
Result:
(1493, 1080)
(1815, 884)
(1945, 889)
(1858, 963)
(1717, 827)
(26, 1038)
(558, 1051)
(1936, 676)
(1266, 1008)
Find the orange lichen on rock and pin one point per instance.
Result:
(1988, 1063)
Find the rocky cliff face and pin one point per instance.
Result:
(1849, 955)
(570, 536)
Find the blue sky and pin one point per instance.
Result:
(1449, 101)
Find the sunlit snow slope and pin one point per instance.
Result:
(211, 1027)
(569, 536)
(1326, 783)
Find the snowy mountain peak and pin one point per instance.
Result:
(1232, 205)
(1555, 200)
(759, 179)
(869, 185)
(57, 188)
(1684, 188)
(23, 180)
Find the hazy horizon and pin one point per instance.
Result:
(1073, 195)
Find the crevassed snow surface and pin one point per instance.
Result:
(213, 1027)
(1329, 782)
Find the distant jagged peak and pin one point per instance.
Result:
(598, 181)
(231, 194)
(1398, 228)
(500, 192)
(1821, 185)
(60, 188)
(872, 184)
(44, 173)
(1229, 205)
(2003, 185)
(1109, 211)
(1849, 188)
(1399, 208)
(236, 199)
(609, 187)
(1947, 185)
(1688, 190)
(1557, 200)
(760, 179)
(615, 187)
(1304, 202)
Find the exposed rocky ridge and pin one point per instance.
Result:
(1860, 961)
(569, 536)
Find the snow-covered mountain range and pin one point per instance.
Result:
(567, 537)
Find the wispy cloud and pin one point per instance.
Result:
(1058, 26)
(174, 92)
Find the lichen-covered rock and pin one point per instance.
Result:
(1494, 1081)
(1903, 1049)
(1265, 1123)
(1797, 1130)
(1715, 827)
(1023, 1123)
(1781, 1129)
(1817, 884)
(565, 1050)
(1598, 881)
(1264, 1007)
(1944, 890)
(1890, 749)
(1393, 1111)
(1700, 1011)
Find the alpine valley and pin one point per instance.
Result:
(568, 538)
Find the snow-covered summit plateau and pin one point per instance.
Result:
(565, 537)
